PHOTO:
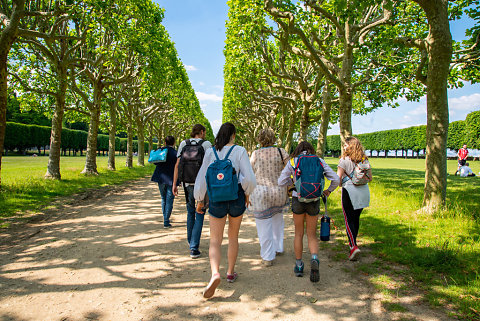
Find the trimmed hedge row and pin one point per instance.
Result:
(414, 138)
(22, 136)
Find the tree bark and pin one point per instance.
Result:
(53, 167)
(141, 143)
(291, 129)
(325, 120)
(345, 92)
(112, 131)
(7, 37)
(439, 49)
(129, 162)
(91, 154)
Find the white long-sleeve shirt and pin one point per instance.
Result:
(240, 162)
(289, 171)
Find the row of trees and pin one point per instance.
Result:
(305, 64)
(414, 138)
(22, 137)
(108, 63)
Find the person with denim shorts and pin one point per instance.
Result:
(163, 175)
(194, 219)
(306, 212)
(219, 211)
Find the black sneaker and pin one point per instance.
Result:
(167, 225)
(195, 254)
(314, 273)
(298, 270)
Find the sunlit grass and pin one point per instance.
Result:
(25, 189)
(441, 251)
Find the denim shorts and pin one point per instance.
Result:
(312, 208)
(233, 208)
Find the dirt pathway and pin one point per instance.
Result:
(109, 258)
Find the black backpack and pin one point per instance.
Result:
(191, 159)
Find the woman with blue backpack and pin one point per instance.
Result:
(355, 172)
(227, 177)
(307, 171)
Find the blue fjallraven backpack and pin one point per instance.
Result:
(309, 179)
(222, 180)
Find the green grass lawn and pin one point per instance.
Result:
(442, 251)
(25, 189)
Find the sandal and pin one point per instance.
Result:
(212, 286)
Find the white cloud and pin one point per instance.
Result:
(420, 110)
(190, 68)
(216, 125)
(203, 106)
(207, 97)
(466, 103)
(201, 83)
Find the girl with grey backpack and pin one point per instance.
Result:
(355, 172)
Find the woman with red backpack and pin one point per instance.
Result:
(355, 172)
(308, 172)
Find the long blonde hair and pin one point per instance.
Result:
(354, 150)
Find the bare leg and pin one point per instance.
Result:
(233, 229)
(298, 220)
(312, 233)
(217, 225)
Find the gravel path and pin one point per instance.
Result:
(107, 257)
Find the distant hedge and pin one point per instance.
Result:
(21, 137)
(414, 138)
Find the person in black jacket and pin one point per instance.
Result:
(163, 175)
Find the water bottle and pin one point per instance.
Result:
(325, 223)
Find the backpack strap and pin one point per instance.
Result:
(215, 153)
(228, 154)
(280, 152)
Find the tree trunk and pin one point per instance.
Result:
(439, 48)
(53, 167)
(3, 103)
(346, 92)
(291, 128)
(7, 37)
(91, 154)
(325, 120)
(304, 120)
(129, 162)
(112, 130)
(150, 144)
(283, 127)
(141, 144)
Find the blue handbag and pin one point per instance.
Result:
(158, 156)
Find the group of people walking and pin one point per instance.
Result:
(264, 180)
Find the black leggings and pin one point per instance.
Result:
(352, 218)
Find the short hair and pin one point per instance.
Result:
(266, 137)
(197, 130)
(169, 140)
(462, 162)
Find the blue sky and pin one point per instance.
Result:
(197, 27)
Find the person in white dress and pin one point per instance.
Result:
(269, 200)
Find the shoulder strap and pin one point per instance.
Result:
(188, 142)
(200, 142)
(215, 153)
(228, 154)
(280, 152)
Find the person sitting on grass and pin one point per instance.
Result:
(465, 171)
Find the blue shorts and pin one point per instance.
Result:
(233, 208)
